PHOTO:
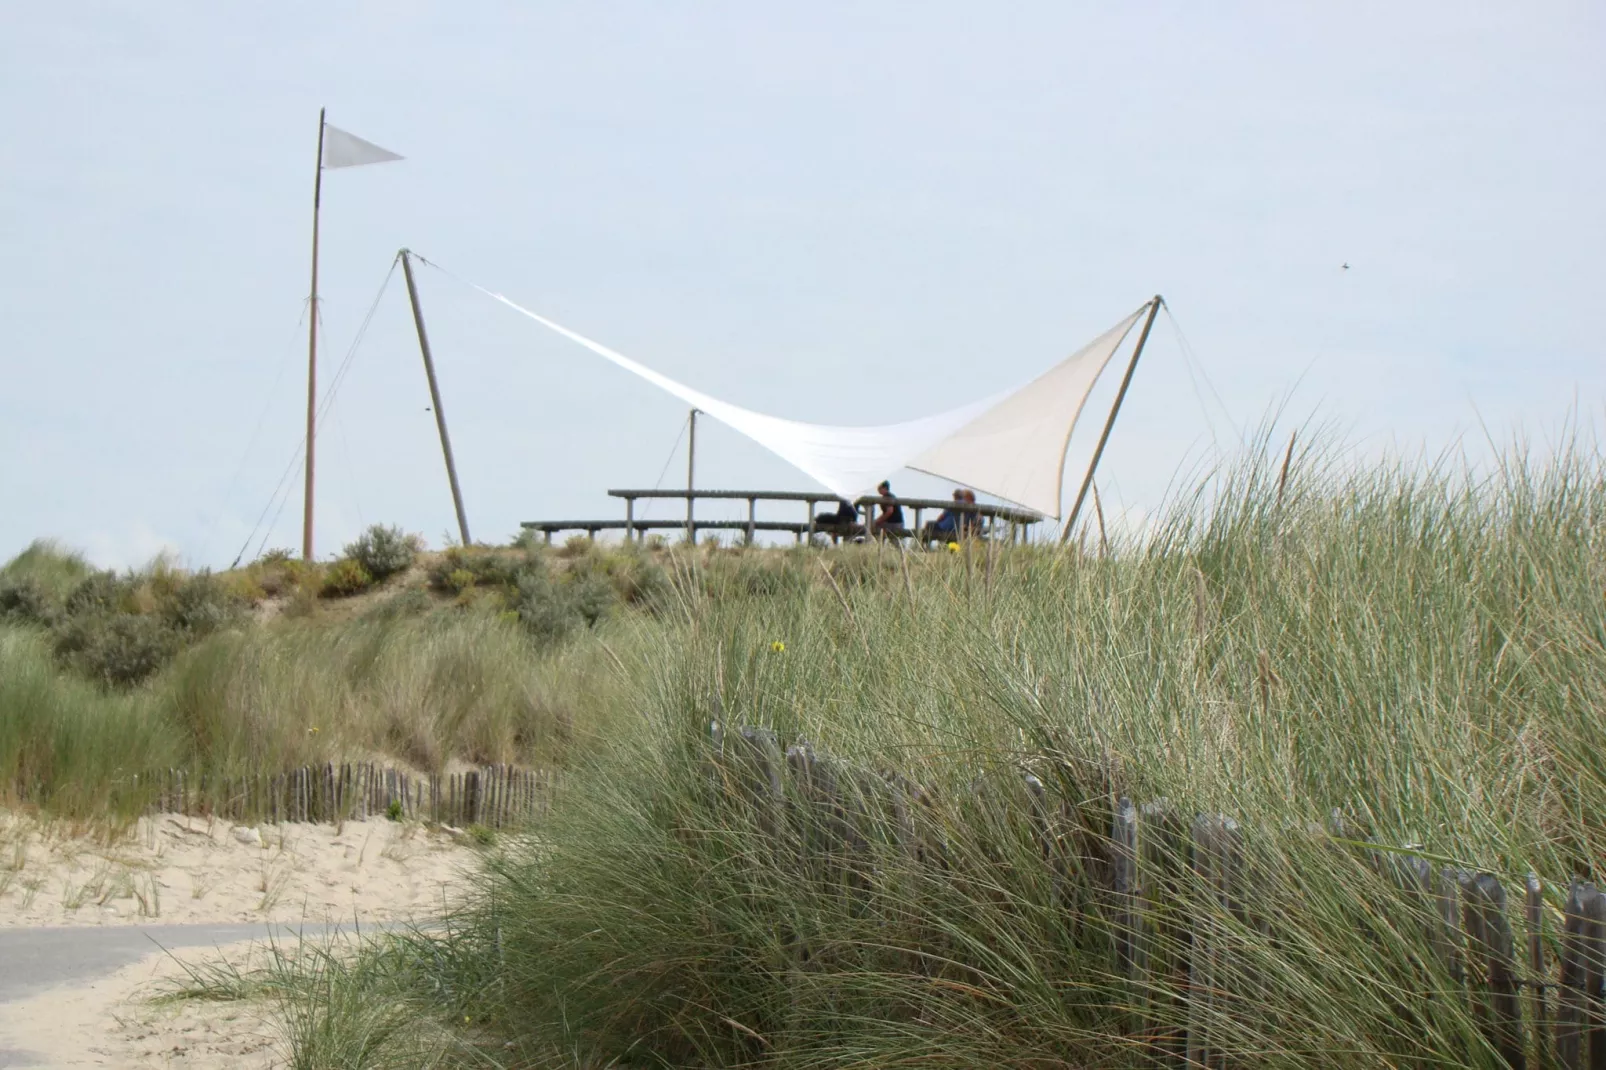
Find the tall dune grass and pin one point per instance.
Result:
(66, 742)
(424, 691)
(1421, 650)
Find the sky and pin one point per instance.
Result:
(835, 212)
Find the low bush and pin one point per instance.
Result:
(591, 597)
(459, 568)
(281, 578)
(101, 592)
(383, 551)
(576, 546)
(118, 649)
(200, 605)
(24, 600)
(344, 578)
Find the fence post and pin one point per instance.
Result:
(1162, 854)
(1489, 944)
(1534, 914)
(1449, 901)
(1124, 834)
(1580, 938)
(1201, 955)
(760, 780)
(471, 796)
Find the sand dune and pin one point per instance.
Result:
(190, 870)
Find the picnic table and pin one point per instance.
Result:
(1016, 521)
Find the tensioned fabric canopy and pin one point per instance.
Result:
(1009, 445)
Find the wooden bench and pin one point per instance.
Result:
(642, 527)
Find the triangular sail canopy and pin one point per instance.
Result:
(1009, 445)
(1015, 450)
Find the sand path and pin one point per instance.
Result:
(80, 997)
(91, 929)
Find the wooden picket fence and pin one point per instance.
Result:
(1538, 990)
(495, 796)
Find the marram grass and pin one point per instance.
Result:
(1423, 651)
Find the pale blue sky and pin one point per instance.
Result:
(834, 211)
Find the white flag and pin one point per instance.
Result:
(341, 149)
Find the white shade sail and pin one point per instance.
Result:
(1009, 445)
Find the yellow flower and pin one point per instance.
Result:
(312, 731)
(777, 647)
(953, 547)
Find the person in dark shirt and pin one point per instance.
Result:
(846, 515)
(891, 515)
(843, 523)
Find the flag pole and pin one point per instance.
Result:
(435, 396)
(1109, 424)
(312, 353)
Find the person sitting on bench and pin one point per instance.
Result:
(890, 519)
(846, 516)
(969, 522)
(946, 527)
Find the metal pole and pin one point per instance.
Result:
(312, 353)
(1109, 424)
(691, 480)
(435, 395)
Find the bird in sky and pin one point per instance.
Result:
(1346, 265)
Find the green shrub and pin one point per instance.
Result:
(25, 601)
(459, 568)
(576, 546)
(200, 605)
(344, 578)
(119, 649)
(101, 592)
(383, 551)
(544, 606)
(638, 579)
(284, 577)
(592, 598)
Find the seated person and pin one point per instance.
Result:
(969, 523)
(891, 515)
(846, 516)
(946, 527)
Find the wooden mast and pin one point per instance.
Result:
(691, 480)
(1109, 424)
(312, 354)
(435, 395)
